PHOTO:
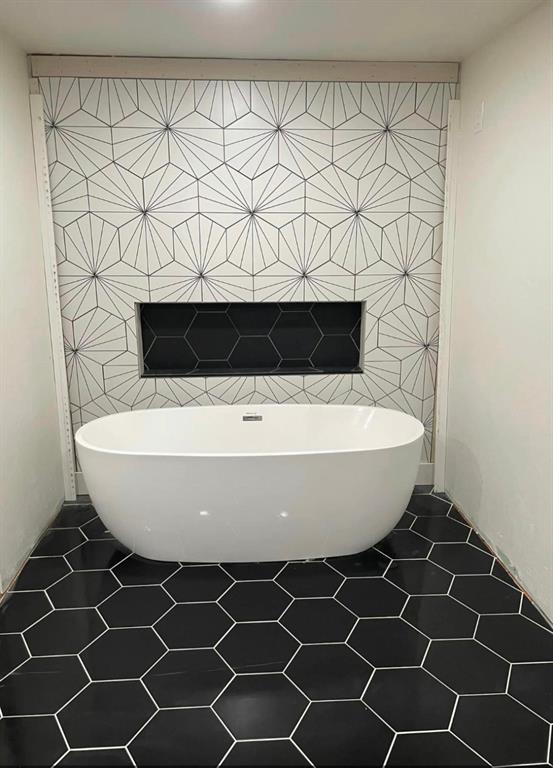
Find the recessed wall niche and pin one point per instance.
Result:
(205, 339)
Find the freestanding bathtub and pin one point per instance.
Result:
(250, 483)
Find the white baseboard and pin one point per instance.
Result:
(424, 477)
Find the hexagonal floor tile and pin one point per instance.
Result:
(515, 638)
(371, 562)
(486, 594)
(193, 625)
(41, 686)
(314, 579)
(253, 571)
(74, 515)
(258, 647)
(388, 642)
(440, 617)
(441, 529)
(136, 571)
(410, 699)
(466, 666)
(202, 740)
(532, 684)
(255, 601)
(426, 505)
(19, 610)
(404, 544)
(96, 555)
(83, 589)
(135, 607)
(13, 652)
(501, 730)
(406, 521)
(281, 752)
(260, 706)
(99, 758)
(63, 632)
(121, 654)
(419, 577)
(431, 749)
(41, 572)
(198, 583)
(187, 678)
(329, 671)
(95, 530)
(343, 733)
(529, 610)
(318, 620)
(461, 558)
(58, 541)
(106, 714)
(371, 597)
(30, 741)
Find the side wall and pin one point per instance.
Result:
(31, 483)
(499, 449)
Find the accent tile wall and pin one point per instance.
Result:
(179, 191)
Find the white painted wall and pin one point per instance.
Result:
(499, 459)
(31, 483)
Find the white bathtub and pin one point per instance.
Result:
(250, 483)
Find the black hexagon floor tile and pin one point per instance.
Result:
(255, 601)
(258, 647)
(516, 638)
(314, 579)
(106, 714)
(198, 583)
(74, 516)
(193, 625)
(83, 589)
(388, 642)
(501, 730)
(461, 558)
(95, 758)
(96, 555)
(427, 505)
(192, 678)
(96, 529)
(532, 684)
(276, 752)
(440, 616)
(441, 529)
(13, 652)
(467, 666)
(410, 699)
(431, 749)
(345, 673)
(121, 654)
(41, 572)
(135, 606)
(318, 620)
(67, 631)
(404, 545)
(41, 686)
(136, 571)
(485, 594)
(19, 610)
(30, 741)
(253, 571)
(260, 706)
(371, 562)
(202, 740)
(419, 577)
(371, 597)
(343, 733)
(58, 541)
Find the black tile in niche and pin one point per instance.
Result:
(64, 632)
(258, 647)
(441, 529)
(532, 685)
(461, 558)
(96, 529)
(135, 570)
(30, 741)
(198, 583)
(106, 714)
(427, 505)
(281, 752)
(318, 620)
(371, 597)
(388, 642)
(58, 541)
(253, 319)
(121, 654)
(485, 594)
(501, 730)
(419, 577)
(40, 572)
(343, 733)
(253, 353)
(95, 758)
(404, 544)
(336, 352)
(212, 336)
(173, 354)
(368, 563)
(309, 579)
(19, 610)
(192, 678)
(13, 652)
(41, 686)
(515, 638)
(260, 706)
(440, 617)
(135, 606)
(431, 749)
(295, 334)
(74, 516)
(336, 317)
(193, 625)
(255, 601)
(410, 699)
(168, 319)
(466, 666)
(82, 589)
(202, 740)
(253, 571)
(329, 671)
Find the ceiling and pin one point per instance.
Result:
(374, 30)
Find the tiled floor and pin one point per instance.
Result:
(420, 651)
